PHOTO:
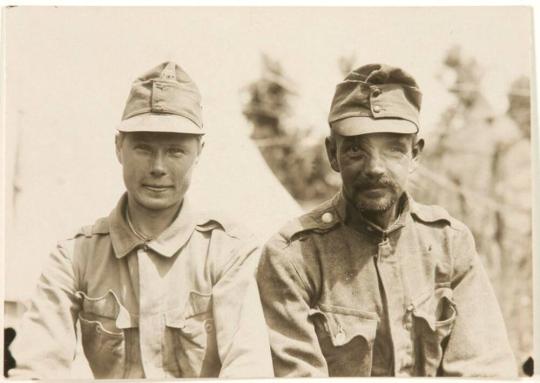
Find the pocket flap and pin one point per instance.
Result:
(197, 303)
(107, 306)
(436, 308)
(345, 324)
(175, 318)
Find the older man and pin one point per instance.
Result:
(372, 283)
(160, 288)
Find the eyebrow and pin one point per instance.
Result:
(400, 140)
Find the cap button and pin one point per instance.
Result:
(376, 108)
(327, 217)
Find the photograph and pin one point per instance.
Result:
(268, 192)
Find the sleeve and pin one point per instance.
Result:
(242, 337)
(478, 345)
(285, 297)
(45, 343)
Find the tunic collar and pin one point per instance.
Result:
(173, 238)
(340, 204)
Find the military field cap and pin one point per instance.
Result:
(164, 99)
(376, 98)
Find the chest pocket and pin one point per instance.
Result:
(434, 314)
(104, 323)
(193, 332)
(346, 337)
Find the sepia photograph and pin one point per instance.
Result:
(260, 192)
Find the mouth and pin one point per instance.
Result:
(157, 188)
(374, 191)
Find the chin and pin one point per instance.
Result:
(156, 203)
(377, 205)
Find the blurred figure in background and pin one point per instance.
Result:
(513, 189)
(478, 166)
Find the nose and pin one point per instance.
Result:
(158, 165)
(375, 166)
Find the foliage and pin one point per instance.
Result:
(298, 161)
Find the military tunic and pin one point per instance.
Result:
(182, 305)
(356, 300)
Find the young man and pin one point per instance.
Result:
(372, 283)
(160, 289)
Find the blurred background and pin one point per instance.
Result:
(267, 76)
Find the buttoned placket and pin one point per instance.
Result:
(397, 303)
(151, 316)
(395, 295)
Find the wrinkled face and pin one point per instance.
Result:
(374, 168)
(157, 167)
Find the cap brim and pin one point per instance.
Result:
(355, 126)
(159, 123)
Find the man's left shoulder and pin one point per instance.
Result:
(214, 222)
(435, 216)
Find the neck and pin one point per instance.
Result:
(383, 219)
(151, 223)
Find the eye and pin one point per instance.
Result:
(356, 151)
(397, 149)
(176, 151)
(145, 148)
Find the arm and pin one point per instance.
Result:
(45, 344)
(478, 345)
(241, 332)
(285, 295)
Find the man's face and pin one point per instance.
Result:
(157, 167)
(374, 167)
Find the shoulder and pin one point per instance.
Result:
(229, 239)
(82, 241)
(230, 244)
(435, 216)
(454, 236)
(322, 219)
(216, 222)
(99, 228)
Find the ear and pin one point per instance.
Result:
(200, 145)
(118, 147)
(418, 146)
(331, 152)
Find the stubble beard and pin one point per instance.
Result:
(381, 204)
(376, 206)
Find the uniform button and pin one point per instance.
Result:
(327, 217)
(407, 325)
(376, 108)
